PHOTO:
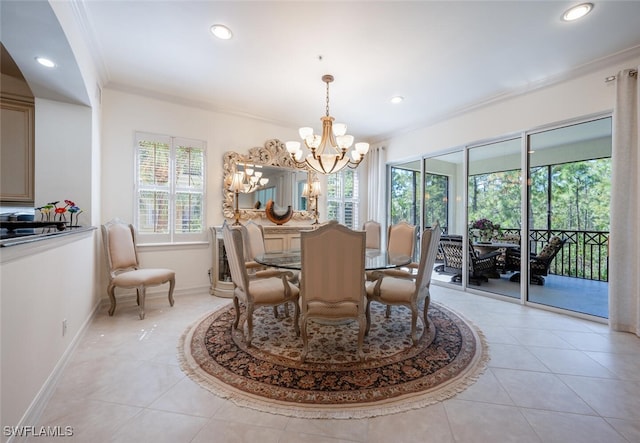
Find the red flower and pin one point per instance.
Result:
(61, 210)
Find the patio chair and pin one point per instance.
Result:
(538, 264)
(481, 266)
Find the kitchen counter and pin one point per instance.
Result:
(22, 245)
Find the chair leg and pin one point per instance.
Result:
(414, 323)
(305, 339)
(172, 285)
(296, 318)
(249, 324)
(141, 297)
(112, 298)
(368, 317)
(425, 312)
(388, 311)
(361, 332)
(236, 305)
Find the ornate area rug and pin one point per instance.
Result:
(394, 377)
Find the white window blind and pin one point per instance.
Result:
(343, 198)
(170, 186)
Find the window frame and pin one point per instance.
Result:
(172, 236)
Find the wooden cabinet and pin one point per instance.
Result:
(283, 238)
(276, 238)
(16, 150)
(219, 273)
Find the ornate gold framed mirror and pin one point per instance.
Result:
(275, 177)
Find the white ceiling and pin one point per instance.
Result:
(443, 57)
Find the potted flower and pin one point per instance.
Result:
(485, 229)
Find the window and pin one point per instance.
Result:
(404, 192)
(169, 189)
(342, 198)
(436, 199)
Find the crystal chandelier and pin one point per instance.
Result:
(328, 153)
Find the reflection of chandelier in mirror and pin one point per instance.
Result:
(245, 181)
(329, 151)
(249, 179)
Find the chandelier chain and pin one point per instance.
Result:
(327, 109)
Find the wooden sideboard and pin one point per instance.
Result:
(276, 238)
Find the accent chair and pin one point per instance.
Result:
(124, 268)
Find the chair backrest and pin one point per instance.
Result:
(119, 245)
(233, 244)
(550, 250)
(333, 265)
(451, 246)
(401, 239)
(373, 231)
(429, 248)
(254, 245)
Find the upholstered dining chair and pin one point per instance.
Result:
(254, 244)
(124, 268)
(332, 279)
(407, 289)
(373, 230)
(263, 288)
(401, 239)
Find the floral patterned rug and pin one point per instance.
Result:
(394, 377)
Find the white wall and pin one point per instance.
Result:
(52, 283)
(63, 155)
(581, 96)
(124, 114)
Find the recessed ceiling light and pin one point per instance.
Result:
(46, 62)
(397, 99)
(221, 31)
(576, 12)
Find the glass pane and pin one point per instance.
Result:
(494, 189)
(569, 194)
(189, 167)
(188, 213)
(404, 193)
(436, 199)
(153, 163)
(444, 184)
(153, 216)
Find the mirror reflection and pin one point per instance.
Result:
(263, 183)
(265, 173)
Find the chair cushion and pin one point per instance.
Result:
(269, 290)
(147, 277)
(393, 290)
(335, 310)
(549, 249)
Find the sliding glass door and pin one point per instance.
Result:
(443, 203)
(494, 189)
(568, 202)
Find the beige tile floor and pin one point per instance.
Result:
(551, 378)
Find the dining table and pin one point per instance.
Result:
(375, 259)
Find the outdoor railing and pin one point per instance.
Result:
(584, 254)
